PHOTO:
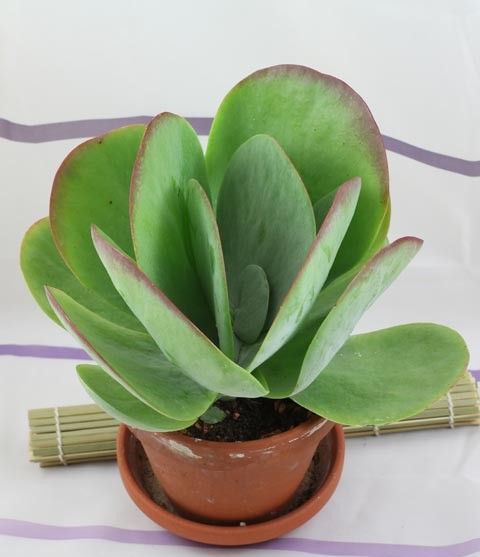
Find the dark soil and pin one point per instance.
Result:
(247, 419)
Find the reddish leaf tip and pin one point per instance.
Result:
(50, 292)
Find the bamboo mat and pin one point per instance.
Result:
(85, 433)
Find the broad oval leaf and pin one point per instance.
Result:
(42, 264)
(250, 311)
(375, 277)
(178, 338)
(133, 360)
(325, 128)
(121, 405)
(387, 375)
(313, 273)
(265, 218)
(208, 255)
(92, 186)
(169, 156)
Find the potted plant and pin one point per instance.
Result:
(213, 289)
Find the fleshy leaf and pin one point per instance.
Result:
(265, 218)
(328, 297)
(207, 250)
(313, 274)
(213, 415)
(178, 338)
(169, 156)
(326, 130)
(251, 310)
(388, 375)
(365, 288)
(121, 405)
(281, 371)
(42, 264)
(334, 289)
(381, 239)
(92, 186)
(133, 360)
(322, 206)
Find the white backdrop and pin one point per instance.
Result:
(417, 64)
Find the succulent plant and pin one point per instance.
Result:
(238, 273)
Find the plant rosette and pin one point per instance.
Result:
(192, 279)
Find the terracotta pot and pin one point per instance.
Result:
(325, 470)
(230, 482)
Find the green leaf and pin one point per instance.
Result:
(313, 274)
(281, 371)
(381, 239)
(328, 297)
(365, 288)
(133, 360)
(121, 405)
(388, 375)
(334, 289)
(213, 415)
(178, 338)
(326, 130)
(251, 310)
(170, 155)
(42, 264)
(265, 218)
(92, 186)
(207, 250)
(322, 206)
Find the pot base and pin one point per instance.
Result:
(316, 489)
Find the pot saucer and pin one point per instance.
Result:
(316, 489)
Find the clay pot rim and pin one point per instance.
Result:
(230, 535)
(308, 427)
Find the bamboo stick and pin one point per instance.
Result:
(85, 433)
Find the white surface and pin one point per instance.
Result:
(418, 66)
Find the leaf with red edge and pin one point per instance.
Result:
(169, 156)
(42, 264)
(387, 375)
(375, 277)
(208, 255)
(133, 360)
(92, 185)
(178, 338)
(327, 131)
(313, 273)
(119, 403)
